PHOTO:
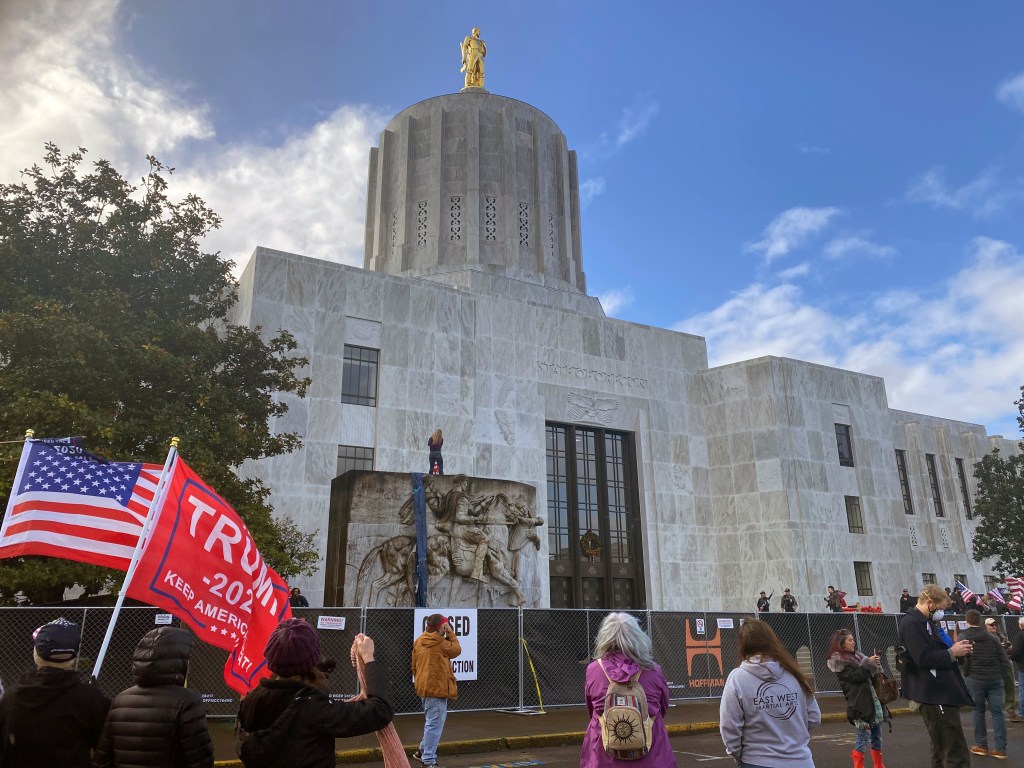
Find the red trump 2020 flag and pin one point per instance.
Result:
(66, 503)
(201, 564)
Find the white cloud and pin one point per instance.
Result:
(800, 270)
(842, 248)
(615, 301)
(1011, 92)
(590, 189)
(984, 196)
(813, 149)
(307, 195)
(63, 81)
(931, 348)
(634, 121)
(790, 229)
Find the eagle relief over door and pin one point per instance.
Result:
(593, 532)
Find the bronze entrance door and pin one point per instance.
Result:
(593, 519)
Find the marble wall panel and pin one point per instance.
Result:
(329, 336)
(301, 282)
(363, 333)
(357, 424)
(769, 475)
(270, 274)
(325, 374)
(766, 444)
(744, 477)
(364, 296)
(741, 447)
(321, 460)
(331, 283)
(721, 481)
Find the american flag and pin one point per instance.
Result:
(77, 508)
(1016, 585)
(967, 594)
(995, 594)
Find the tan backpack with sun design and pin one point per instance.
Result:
(625, 723)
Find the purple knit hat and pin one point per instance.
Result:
(293, 648)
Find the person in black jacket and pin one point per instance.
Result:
(857, 673)
(906, 601)
(983, 670)
(288, 720)
(763, 604)
(157, 723)
(789, 604)
(50, 717)
(931, 677)
(1017, 657)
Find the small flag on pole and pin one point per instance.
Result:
(968, 595)
(1016, 585)
(995, 594)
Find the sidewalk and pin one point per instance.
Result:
(468, 732)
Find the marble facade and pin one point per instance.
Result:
(739, 482)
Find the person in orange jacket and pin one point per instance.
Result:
(434, 681)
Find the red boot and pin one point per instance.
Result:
(858, 758)
(876, 758)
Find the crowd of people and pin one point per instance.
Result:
(290, 720)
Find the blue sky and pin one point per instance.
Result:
(837, 184)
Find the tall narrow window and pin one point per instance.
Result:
(959, 578)
(991, 582)
(359, 376)
(862, 572)
(901, 467)
(933, 481)
(354, 457)
(854, 517)
(964, 491)
(927, 578)
(594, 551)
(845, 445)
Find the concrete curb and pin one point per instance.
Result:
(565, 739)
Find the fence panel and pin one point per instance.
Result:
(821, 627)
(695, 650)
(558, 641)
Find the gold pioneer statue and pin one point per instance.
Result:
(473, 52)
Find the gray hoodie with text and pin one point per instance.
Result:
(765, 716)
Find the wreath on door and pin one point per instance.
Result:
(590, 544)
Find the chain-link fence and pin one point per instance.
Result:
(519, 651)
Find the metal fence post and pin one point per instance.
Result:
(856, 633)
(522, 680)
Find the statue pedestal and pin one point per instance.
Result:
(483, 542)
(474, 89)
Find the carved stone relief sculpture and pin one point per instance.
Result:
(483, 541)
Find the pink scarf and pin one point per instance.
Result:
(390, 744)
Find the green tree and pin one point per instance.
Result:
(999, 507)
(113, 326)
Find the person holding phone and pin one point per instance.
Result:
(432, 655)
(857, 673)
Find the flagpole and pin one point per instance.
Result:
(29, 435)
(172, 452)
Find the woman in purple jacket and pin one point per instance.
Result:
(434, 443)
(624, 649)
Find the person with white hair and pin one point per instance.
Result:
(623, 653)
(1017, 657)
(50, 717)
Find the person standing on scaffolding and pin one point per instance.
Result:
(434, 443)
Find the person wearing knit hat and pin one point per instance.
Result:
(52, 694)
(293, 649)
(290, 713)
